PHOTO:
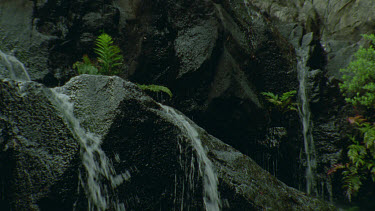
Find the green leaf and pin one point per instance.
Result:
(109, 55)
(156, 88)
(85, 67)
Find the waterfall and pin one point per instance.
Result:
(305, 115)
(101, 178)
(14, 69)
(210, 182)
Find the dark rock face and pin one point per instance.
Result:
(38, 152)
(153, 148)
(337, 27)
(214, 56)
(138, 136)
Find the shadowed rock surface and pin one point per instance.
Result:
(216, 57)
(137, 136)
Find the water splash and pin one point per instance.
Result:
(210, 182)
(305, 115)
(14, 69)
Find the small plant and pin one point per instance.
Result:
(361, 156)
(109, 55)
(359, 77)
(109, 58)
(156, 88)
(108, 61)
(86, 67)
(284, 102)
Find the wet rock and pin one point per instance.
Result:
(39, 154)
(153, 148)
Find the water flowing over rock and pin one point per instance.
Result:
(13, 68)
(39, 154)
(303, 52)
(211, 196)
(216, 56)
(139, 136)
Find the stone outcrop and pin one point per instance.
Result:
(138, 136)
(37, 150)
(216, 56)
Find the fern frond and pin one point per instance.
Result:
(270, 95)
(352, 182)
(288, 95)
(156, 88)
(109, 55)
(85, 67)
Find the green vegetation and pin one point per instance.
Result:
(86, 67)
(109, 58)
(359, 79)
(284, 102)
(359, 88)
(109, 55)
(361, 154)
(156, 88)
(108, 62)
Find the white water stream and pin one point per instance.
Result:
(14, 69)
(98, 168)
(305, 116)
(210, 182)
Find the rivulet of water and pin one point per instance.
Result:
(14, 69)
(100, 176)
(305, 116)
(211, 198)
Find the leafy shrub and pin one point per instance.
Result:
(361, 156)
(359, 77)
(156, 88)
(359, 88)
(284, 102)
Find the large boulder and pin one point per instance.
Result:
(39, 156)
(139, 137)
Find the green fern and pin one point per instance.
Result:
(156, 88)
(352, 182)
(109, 55)
(85, 67)
(362, 157)
(282, 103)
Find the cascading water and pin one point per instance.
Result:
(14, 69)
(211, 195)
(100, 176)
(305, 115)
(99, 169)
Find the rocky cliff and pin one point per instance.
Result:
(216, 56)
